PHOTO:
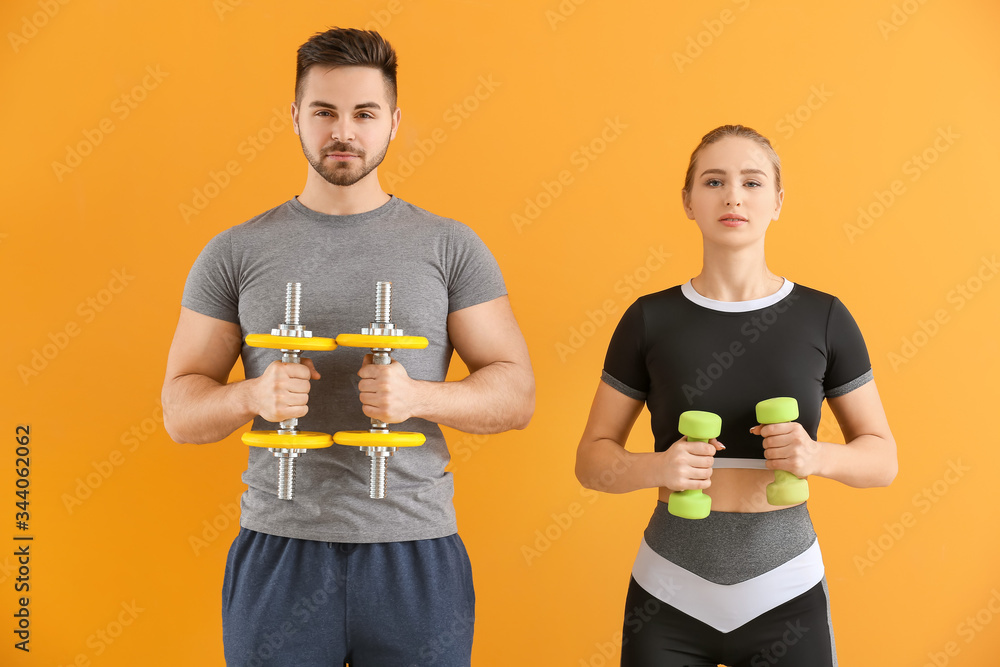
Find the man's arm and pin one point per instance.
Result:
(498, 394)
(200, 407)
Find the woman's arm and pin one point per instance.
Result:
(603, 463)
(867, 459)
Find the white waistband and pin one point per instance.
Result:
(754, 464)
(726, 607)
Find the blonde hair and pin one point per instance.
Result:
(743, 132)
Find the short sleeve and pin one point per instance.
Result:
(473, 274)
(625, 363)
(848, 366)
(212, 287)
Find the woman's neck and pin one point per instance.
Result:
(740, 275)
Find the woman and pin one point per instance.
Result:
(744, 586)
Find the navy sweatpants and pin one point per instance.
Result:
(304, 603)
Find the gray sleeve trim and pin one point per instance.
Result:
(850, 386)
(622, 387)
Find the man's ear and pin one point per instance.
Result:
(396, 116)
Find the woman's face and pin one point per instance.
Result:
(733, 196)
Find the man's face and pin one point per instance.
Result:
(344, 122)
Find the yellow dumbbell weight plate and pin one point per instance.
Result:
(369, 439)
(389, 342)
(301, 440)
(291, 342)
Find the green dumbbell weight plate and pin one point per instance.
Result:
(698, 425)
(787, 489)
(777, 410)
(690, 504)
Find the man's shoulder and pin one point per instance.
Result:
(275, 215)
(414, 214)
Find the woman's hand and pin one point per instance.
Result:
(687, 464)
(788, 447)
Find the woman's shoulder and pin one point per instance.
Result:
(668, 294)
(813, 296)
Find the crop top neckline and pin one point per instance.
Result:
(736, 306)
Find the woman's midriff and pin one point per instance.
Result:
(737, 490)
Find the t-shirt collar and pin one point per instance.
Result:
(737, 306)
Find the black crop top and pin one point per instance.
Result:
(677, 350)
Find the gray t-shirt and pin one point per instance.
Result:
(436, 266)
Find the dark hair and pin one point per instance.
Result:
(343, 47)
(742, 132)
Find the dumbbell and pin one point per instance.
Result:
(382, 337)
(697, 426)
(786, 489)
(288, 443)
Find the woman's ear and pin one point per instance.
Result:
(686, 202)
(778, 201)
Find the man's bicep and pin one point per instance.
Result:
(203, 345)
(487, 333)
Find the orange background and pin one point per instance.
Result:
(850, 93)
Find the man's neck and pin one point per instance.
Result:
(324, 197)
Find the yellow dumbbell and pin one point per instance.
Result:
(382, 337)
(287, 443)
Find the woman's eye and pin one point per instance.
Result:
(713, 182)
(753, 184)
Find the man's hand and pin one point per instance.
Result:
(496, 396)
(282, 391)
(387, 392)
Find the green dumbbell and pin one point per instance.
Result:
(697, 426)
(786, 489)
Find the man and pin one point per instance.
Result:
(334, 576)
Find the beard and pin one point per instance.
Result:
(344, 173)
